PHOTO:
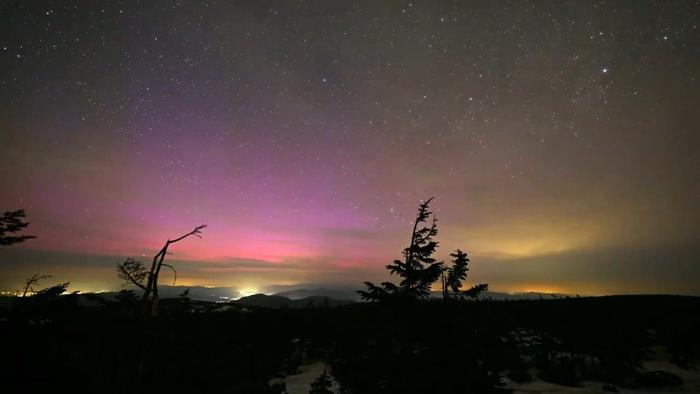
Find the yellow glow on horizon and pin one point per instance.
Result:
(248, 291)
(525, 238)
(543, 289)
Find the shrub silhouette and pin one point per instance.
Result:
(53, 291)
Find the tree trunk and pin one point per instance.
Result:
(445, 296)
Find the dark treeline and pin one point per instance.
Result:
(401, 342)
(429, 346)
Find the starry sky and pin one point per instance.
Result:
(559, 139)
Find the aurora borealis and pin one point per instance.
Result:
(560, 140)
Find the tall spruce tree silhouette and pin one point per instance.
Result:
(419, 269)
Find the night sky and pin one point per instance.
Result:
(560, 140)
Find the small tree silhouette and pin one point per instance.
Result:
(134, 272)
(419, 269)
(11, 222)
(322, 384)
(454, 276)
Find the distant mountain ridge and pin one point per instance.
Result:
(200, 293)
(338, 293)
(294, 296)
(498, 296)
(277, 301)
(351, 294)
(315, 297)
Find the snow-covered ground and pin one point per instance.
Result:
(691, 383)
(301, 382)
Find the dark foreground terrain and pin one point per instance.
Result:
(59, 344)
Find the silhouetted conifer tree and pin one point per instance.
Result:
(419, 269)
(454, 276)
(10, 223)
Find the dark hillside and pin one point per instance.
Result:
(455, 347)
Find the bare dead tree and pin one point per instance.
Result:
(134, 272)
(33, 281)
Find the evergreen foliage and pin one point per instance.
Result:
(12, 222)
(419, 269)
(454, 276)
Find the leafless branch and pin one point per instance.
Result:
(137, 274)
(195, 232)
(34, 280)
(174, 272)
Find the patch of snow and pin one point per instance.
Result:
(301, 382)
